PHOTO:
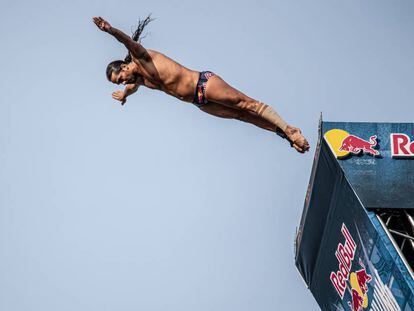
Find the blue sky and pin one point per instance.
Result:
(156, 205)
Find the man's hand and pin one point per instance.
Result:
(102, 24)
(119, 95)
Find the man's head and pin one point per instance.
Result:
(121, 72)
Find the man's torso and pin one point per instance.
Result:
(161, 72)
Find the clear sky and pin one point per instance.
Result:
(155, 205)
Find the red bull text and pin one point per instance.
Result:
(345, 254)
(401, 146)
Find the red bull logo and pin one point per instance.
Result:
(355, 145)
(401, 146)
(359, 289)
(342, 277)
(343, 144)
(357, 301)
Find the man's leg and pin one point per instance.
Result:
(227, 112)
(218, 91)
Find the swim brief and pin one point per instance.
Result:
(200, 92)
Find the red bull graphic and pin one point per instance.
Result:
(357, 281)
(359, 288)
(342, 144)
(357, 301)
(355, 145)
(401, 146)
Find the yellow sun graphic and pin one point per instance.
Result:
(334, 138)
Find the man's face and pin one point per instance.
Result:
(125, 76)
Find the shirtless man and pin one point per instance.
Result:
(204, 89)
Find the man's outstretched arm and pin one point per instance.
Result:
(136, 49)
(122, 95)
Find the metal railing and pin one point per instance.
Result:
(400, 225)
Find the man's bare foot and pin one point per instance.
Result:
(297, 141)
